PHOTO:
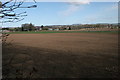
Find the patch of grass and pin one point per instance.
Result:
(46, 32)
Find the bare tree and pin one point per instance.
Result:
(7, 10)
(8, 14)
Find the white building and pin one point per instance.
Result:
(50, 29)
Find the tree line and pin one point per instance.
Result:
(32, 27)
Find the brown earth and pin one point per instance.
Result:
(61, 55)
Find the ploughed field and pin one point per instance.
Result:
(61, 55)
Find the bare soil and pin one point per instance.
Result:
(61, 55)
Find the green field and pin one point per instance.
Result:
(44, 32)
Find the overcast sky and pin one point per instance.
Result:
(60, 13)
